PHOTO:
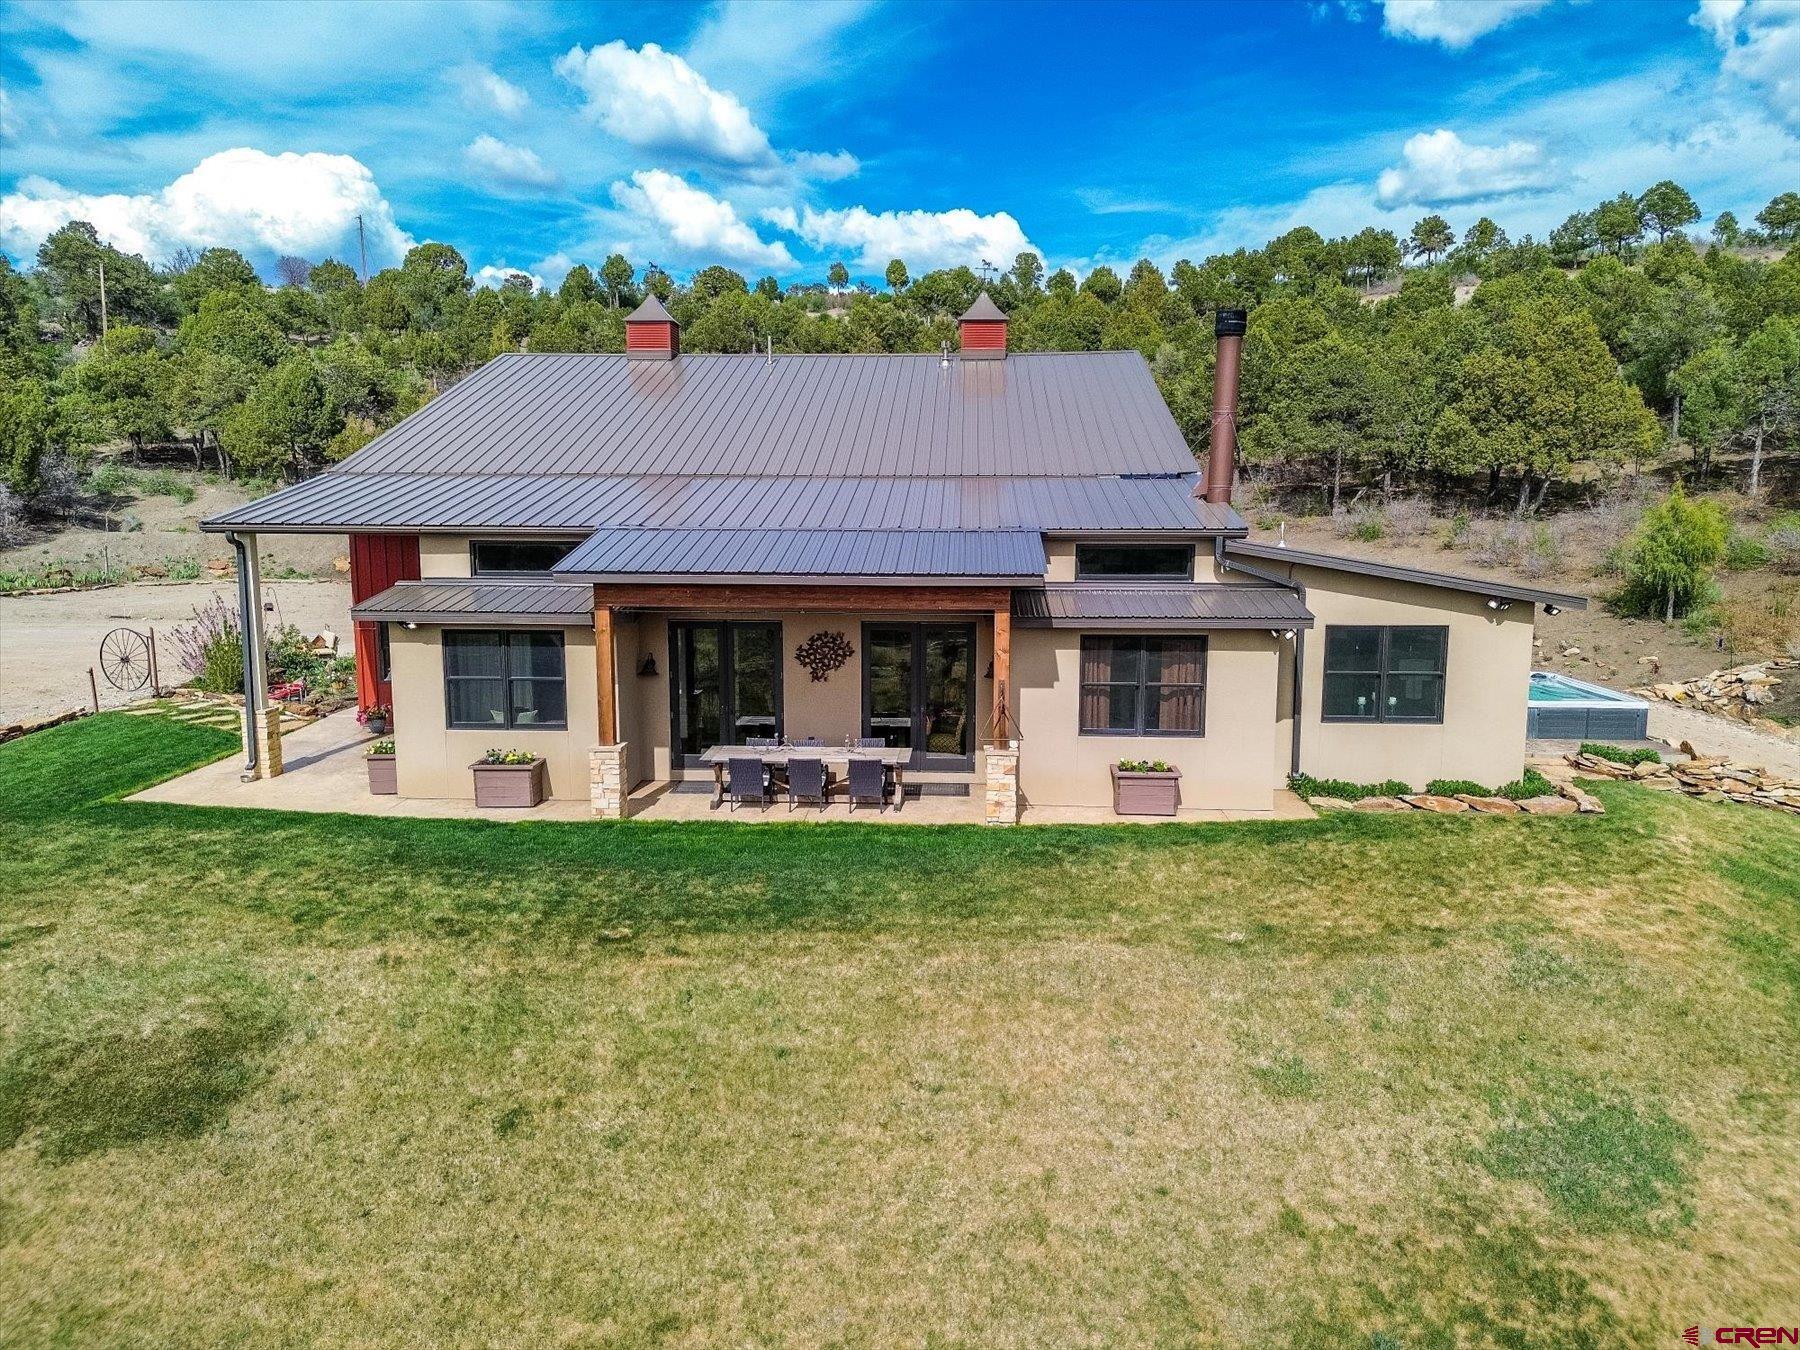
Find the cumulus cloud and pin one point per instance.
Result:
(1760, 40)
(265, 205)
(484, 91)
(821, 167)
(664, 208)
(1454, 23)
(651, 97)
(510, 166)
(495, 276)
(1439, 168)
(924, 239)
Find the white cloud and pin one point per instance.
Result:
(1761, 43)
(665, 209)
(9, 124)
(749, 45)
(1454, 23)
(495, 276)
(821, 167)
(651, 97)
(265, 205)
(510, 166)
(922, 239)
(1439, 168)
(484, 91)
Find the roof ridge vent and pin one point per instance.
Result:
(651, 332)
(982, 330)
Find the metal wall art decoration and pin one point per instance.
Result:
(823, 653)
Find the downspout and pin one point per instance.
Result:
(1228, 564)
(245, 600)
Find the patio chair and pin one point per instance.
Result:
(868, 782)
(807, 781)
(746, 780)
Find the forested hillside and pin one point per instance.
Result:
(1487, 366)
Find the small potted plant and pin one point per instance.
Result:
(382, 780)
(1145, 787)
(375, 718)
(509, 778)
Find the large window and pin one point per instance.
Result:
(1384, 674)
(1134, 562)
(527, 556)
(1143, 686)
(511, 679)
(727, 685)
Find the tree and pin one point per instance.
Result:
(1571, 241)
(215, 269)
(1669, 560)
(292, 271)
(837, 276)
(288, 421)
(1431, 238)
(616, 275)
(1103, 284)
(26, 422)
(1767, 379)
(1617, 223)
(120, 389)
(1370, 255)
(658, 282)
(70, 261)
(1483, 238)
(769, 288)
(578, 285)
(895, 275)
(1726, 231)
(1681, 320)
(1028, 272)
(1666, 207)
(1062, 282)
(709, 283)
(332, 277)
(1781, 217)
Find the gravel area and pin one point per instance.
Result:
(1714, 735)
(47, 642)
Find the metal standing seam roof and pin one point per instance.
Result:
(1450, 581)
(522, 603)
(339, 502)
(876, 555)
(1038, 414)
(1164, 606)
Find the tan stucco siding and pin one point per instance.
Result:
(433, 760)
(1231, 767)
(1488, 670)
(443, 555)
(1059, 557)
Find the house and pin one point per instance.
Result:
(1007, 566)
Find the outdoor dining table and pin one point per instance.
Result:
(895, 757)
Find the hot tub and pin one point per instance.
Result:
(1562, 708)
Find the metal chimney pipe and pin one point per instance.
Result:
(1221, 464)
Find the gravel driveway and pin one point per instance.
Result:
(47, 642)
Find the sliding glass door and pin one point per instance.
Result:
(919, 690)
(726, 686)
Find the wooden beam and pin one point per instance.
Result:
(747, 598)
(603, 673)
(1003, 711)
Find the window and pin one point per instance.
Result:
(517, 555)
(384, 655)
(726, 685)
(1384, 674)
(1143, 686)
(1134, 562)
(511, 679)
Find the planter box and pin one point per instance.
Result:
(509, 784)
(382, 781)
(1145, 794)
(376, 727)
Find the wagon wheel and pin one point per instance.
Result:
(125, 659)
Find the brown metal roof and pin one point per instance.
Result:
(1501, 590)
(1160, 606)
(1037, 415)
(985, 308)
(651, 311)
(878, 555)
(515, 603)
(559, 504)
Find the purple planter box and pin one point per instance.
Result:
(1138, 793)
(382, 778)
(509, 784)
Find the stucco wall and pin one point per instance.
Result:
(1059, 557)
(1231, 767)
(432, 760)
(1487, 674)
(443, 555)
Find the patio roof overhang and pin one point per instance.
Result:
(800, 557)
(515, 604)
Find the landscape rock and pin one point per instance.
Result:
(1547, 806)
(1585, 802)
(1329, 804)
(1379, 804)
(1444, 806)
(1492, 806)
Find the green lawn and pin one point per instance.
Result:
(1365, 1081)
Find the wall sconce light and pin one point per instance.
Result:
(408, 625)
(1499, 604)
(649, 666)
(1553, 609)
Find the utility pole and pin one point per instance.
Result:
(103, 299)
(362, 248)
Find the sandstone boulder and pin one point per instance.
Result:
(1547, 806)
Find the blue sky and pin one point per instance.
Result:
(779, 135)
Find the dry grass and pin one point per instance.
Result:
(1439, 1082)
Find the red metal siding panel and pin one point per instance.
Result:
(983, 335)
(377, 561)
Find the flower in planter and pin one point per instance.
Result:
(509, 757)
(1144, 766)
(382, 748)
(375, 714)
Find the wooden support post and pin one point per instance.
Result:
(1003, 713)
(604, 676)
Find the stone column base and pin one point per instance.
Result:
(606, 781)
(1003, 786)
(268, 744)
